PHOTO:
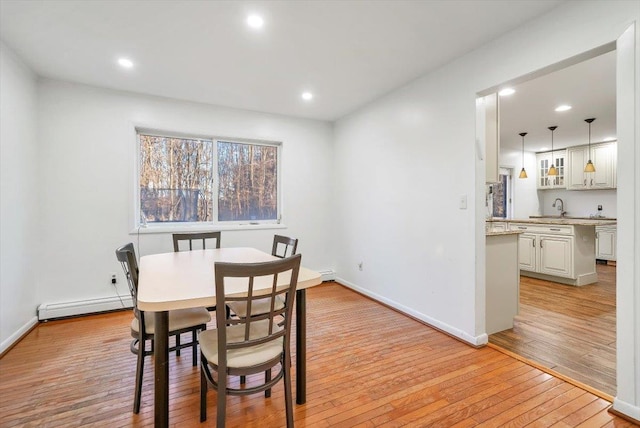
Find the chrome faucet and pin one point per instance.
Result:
(560, 208)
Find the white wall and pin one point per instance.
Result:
(404, 161)
(18, 198)
(86, 156)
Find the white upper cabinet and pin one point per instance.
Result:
(488, 116)
(603, 156)
(544, 162)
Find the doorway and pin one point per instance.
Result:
(556, 327)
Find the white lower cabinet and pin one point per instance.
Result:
(557, 253)
(606, 237)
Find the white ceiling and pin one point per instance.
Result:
(589, 87)
(347, 53)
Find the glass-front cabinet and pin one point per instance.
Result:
(544, 162)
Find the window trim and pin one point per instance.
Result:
(139, 227)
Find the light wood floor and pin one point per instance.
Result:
(571, 330)
(367, 366)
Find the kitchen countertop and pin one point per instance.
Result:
(575, 221)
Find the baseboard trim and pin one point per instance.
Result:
(475, 341)
(47, 311)
(13, 340)
(626, 410)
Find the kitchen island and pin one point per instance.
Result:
(559, 249)
(502, 280)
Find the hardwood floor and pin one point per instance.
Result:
(571, 330)
(367, 366)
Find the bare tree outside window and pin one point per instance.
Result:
(248, 188)
(177, 180)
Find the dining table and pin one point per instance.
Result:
(186, 279)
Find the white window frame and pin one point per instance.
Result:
(140, 227)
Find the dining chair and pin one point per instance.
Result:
(199, 236)
(286, 244)
(282, 247)
(254, 344)
(142, 326)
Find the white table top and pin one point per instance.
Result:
(186, 279)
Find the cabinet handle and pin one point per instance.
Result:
(534, 242)
(592, 181)
(541, 242)
(555, 229)
(585, 182)
(522, 227)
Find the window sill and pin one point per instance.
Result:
(149, 229)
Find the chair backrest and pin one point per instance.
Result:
(290, 245)
(126, 255)
(202, 236)
(229, 275)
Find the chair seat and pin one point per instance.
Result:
(179, 319)
(242, 357)
(259, 306)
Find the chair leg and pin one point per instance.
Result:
(178, 345)
(139, 372)
(203, 392)
(287, 391)
(267, 378)
(194, 348)
(222, 399)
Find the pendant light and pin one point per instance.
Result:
(552, 170)
(590, 167)
(523, 173)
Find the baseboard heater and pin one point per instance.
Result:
(328, 275)
(47, 311)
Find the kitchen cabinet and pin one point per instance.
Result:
(489, 110)
(502, 281)
(496, 226)
(606, 237)
(544, 163)
(560, 253)
(603, 156)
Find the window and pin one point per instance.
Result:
(207, 180)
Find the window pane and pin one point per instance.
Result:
(248, 185)
(176, 176)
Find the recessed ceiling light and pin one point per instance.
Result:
(563, 107)
(255, 21)
(506, 92)
(307, 96)
(126, 63)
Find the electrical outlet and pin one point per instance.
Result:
(114, 278)
(599, 207)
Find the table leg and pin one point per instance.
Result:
(301, 346)
(161, 369)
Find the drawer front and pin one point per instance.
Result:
(552, 229)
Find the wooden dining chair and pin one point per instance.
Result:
(254, 344)
(284, 246)
(143, 325)
(193, 237)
